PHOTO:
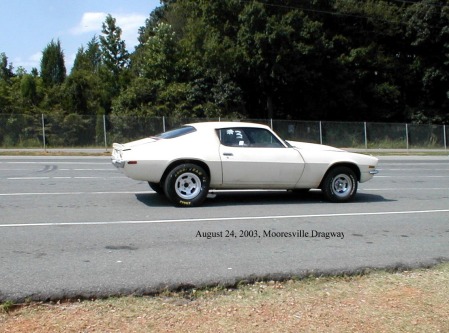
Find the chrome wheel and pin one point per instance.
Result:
(342, 185)
(188, 186)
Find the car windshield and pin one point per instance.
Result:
(176, 132)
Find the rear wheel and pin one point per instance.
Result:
(187, 185)
(156, 187)
(340, 184)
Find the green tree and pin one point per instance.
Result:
(161, 56)
(283, 52)
(29, 89)
(114, 72)
(6, 103)
(79, 91)
(53, 70)
(6, 69)
(427, 33)
(89, 59)
(115, 55)
(6, 75)
(156, 90)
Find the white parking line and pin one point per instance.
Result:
(70, 193)
(406, 189)
(415, 177)
(56, 162)
(215, 219)
(415, 169)
(212, 191)
(41, 178)
(27, 178)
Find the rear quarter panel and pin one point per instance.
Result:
(154, 158)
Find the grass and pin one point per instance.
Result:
(408, 301)
(7, 306)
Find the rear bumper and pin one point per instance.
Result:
(119, 164)
(116, 158)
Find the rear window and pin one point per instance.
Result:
(176, 132)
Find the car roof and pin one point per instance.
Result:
(225, 124)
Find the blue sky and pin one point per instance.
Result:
(28, 26)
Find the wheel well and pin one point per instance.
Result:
(174, 164)
(349, 165)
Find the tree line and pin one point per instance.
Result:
(349, 60)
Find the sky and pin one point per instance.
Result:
(28, 26)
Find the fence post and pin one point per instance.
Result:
(321, 134)
(43, 133)
(271, 123)
(366, 135)
(104, 131)
(163, 123)
(444, 137)
(406, 135)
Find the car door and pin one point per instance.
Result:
(255, 158)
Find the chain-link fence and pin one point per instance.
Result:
(73, 130)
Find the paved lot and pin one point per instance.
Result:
(75, 227)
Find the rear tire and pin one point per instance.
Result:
(187, 185)
(340, 184)
(156, 187)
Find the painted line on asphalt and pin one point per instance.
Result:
(415, 177)
(68, 177)
(27, 178)
(218, 219)
(415, 169)
(17, 194)
(406, 189)
(72, 193)
(59, 162)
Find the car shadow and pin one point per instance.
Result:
(248, 198)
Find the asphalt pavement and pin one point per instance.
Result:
(74, 227)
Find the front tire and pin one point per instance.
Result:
(187, 185)
(340, 184)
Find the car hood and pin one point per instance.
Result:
(313, 146)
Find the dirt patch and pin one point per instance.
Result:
(413, 301)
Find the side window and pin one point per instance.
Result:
(260, 137)
(248, 137)
(233, 137)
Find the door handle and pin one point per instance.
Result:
(228, 154)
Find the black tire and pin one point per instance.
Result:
(156, 187)
(340, 184)
(187, 185)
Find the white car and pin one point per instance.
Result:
(185, 163)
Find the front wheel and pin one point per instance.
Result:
(187, 185)
(340, 184)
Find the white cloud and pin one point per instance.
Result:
(28, 63)
(91, 22)
(130, 24)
